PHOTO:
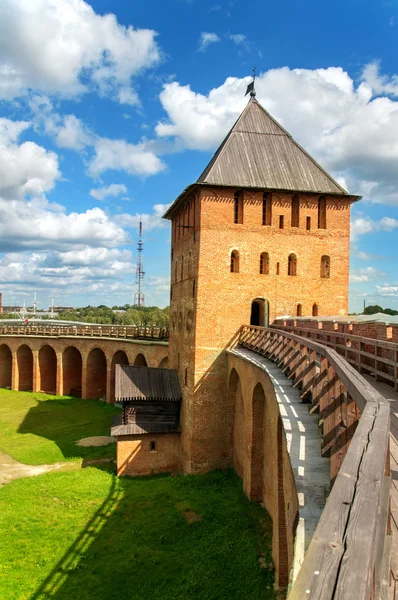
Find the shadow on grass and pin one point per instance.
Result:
(65, 420)
(138, 545)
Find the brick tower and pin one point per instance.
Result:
(264, 232)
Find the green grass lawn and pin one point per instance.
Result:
(39, 429)
(87, 535)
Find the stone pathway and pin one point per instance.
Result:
(11, 469)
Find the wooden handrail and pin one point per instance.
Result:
(107, 331)
(375, 357)
(342, 561)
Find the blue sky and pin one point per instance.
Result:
(109, 109)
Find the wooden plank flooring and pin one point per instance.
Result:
(392, 397)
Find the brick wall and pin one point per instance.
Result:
(260, 456)
(204, 325)
(136, 456)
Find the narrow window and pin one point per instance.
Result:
(292, 265)
(238, 207)
(193, 288)
(299, 310)
(190, 265)
(234, 261)
(267, 209)
(322, 212)
(281, 221)
(277, 268)
(295, 211)
(308, 224)
(325, 267)
(182, 267)
(152, 446)
(176, 271)
(264, 263)
(314, 310)
(186, 377)
(178, 362)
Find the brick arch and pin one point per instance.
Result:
(238, 432)
(119, 358)
(96, 374)
(164, 363)
(5, 366)
(233, 384)
(25, 368)
(72, 371)
(47, 369)
(140, 360)
(257, 451)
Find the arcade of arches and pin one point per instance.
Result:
(258, 452)
(72, 366)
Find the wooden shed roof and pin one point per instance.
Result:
(146, 383)
(259, 152)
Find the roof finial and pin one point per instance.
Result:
(250, 87)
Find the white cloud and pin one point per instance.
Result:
(127, 95)
(72, 133)
(25, 169)
(350, 129)
(160, 284)
(365, 274)
(63, 47)
(149, 222)
(206, 39)
(238, 38)
(387, 290)
(114, 190)
(38, 224)
(119, 155)
(366, 256)
(363, 224)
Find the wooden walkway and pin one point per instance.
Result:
(392, 396)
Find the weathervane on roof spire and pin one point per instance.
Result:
(250, 87)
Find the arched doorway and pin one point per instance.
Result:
(5, 366)
(314, 310)
(48, 369)
(72, 372)
(257, 456)
(25, 368)
(119, 358)
(259, 316)
(140, 361)
(96, 374)
(164, 363)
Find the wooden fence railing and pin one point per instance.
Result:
(106, 331)
(348, 557)
(368, 355)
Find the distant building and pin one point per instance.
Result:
(58, 309)
(11, 309)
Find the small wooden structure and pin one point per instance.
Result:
(151, 400)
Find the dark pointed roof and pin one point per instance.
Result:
(259, 153)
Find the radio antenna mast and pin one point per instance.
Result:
(139, 299)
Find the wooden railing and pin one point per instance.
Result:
(348, 557)
(106, 331)
(378, 358)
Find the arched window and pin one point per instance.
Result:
(152, 446)
(264, 263)
(182, 267)
(299, 310)
(292, 265)
(238, 207)
(325, 267)
(322, 212)
(295, 221)
(234, 261)
(267, 209)
(186, 377)
(314, 310)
